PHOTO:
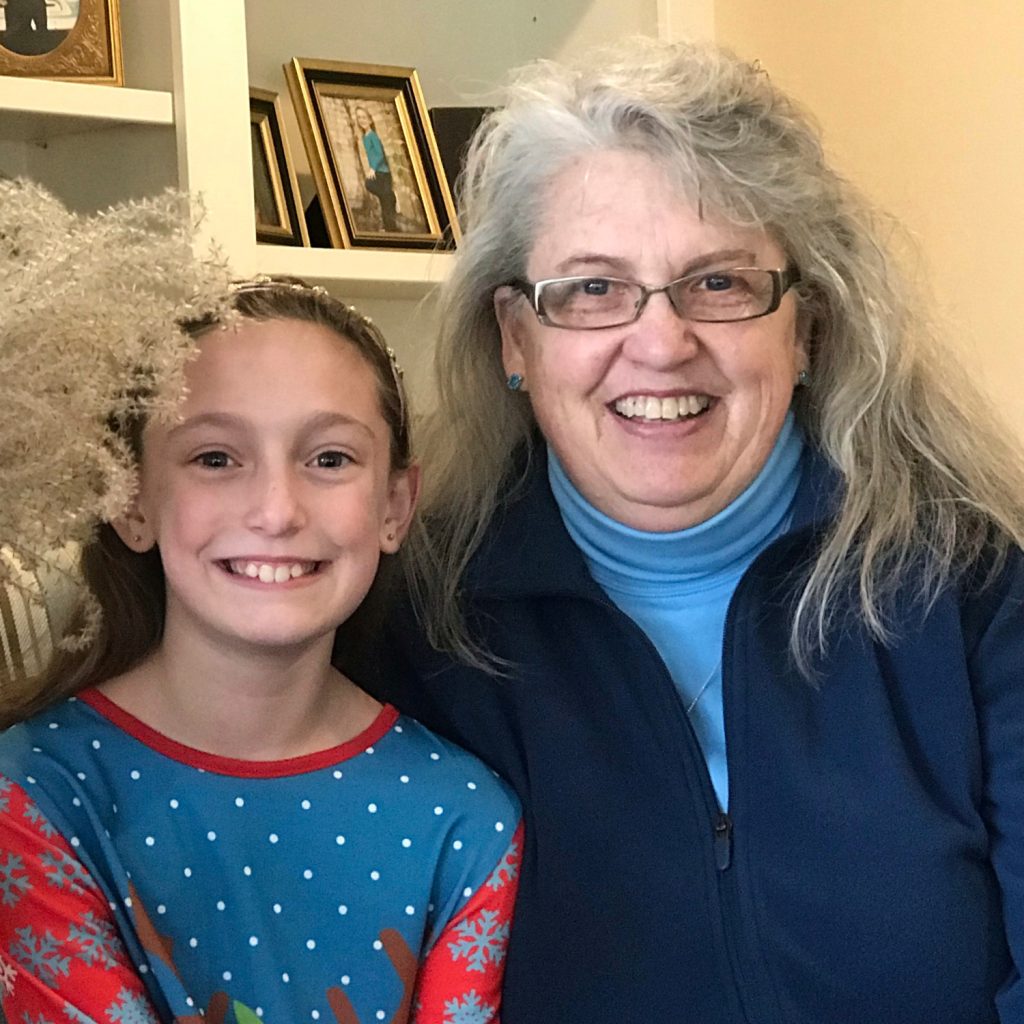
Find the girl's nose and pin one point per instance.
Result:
(276, 507)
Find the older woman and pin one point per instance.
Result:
(728, 569)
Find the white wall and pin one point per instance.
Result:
(461, 49)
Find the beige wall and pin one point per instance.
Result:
(922, 104)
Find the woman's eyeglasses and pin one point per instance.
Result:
(718, 296)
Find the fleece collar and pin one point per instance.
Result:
(528, 551)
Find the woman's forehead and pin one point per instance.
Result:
(624, 205)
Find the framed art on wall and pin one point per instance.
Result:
(279, 216)
(373, 155)
(78, 40)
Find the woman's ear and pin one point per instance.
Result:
(510, 324)
(403, 493)
(134, 530)
(804, 339)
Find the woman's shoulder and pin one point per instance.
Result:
(992, 599)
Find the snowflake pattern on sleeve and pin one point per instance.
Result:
(97, 941)
(66, 871)
(60, 955)
(13, 883)
(460, 980)
(39, 952)
(131, 1008)
(469, 1010)
(481, 940)
(6, 977)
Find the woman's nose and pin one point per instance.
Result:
(275, 506)
(661, 337)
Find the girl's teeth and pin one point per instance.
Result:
(266, 573)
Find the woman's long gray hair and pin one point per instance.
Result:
(931, 481)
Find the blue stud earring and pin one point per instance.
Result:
(803, 378)
(514, 381)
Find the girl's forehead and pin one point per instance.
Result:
(279, 363)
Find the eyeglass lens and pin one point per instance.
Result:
(723, 295)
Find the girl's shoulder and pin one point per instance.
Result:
(428, 761)
(66, 725)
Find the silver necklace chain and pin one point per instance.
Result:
(705, 685)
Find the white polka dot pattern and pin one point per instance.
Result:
(397, 839)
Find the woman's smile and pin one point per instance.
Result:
(660, 421)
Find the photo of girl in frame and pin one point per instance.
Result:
(382, 187)
(378, 174)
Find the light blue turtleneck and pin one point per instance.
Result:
(677, 586)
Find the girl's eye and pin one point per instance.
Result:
(213, 460)
(331, 460)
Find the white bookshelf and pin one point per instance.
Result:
(37, 110)
(182, 118)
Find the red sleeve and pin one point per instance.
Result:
(460, 979)
(60, 955)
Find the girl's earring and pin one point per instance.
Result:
(514, 381)
(803, 378)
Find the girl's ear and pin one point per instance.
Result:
(134, 530)
(403, 493)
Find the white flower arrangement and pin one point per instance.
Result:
(90, 308)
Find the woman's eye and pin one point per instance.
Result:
(718, 282)
(213, 460)
(331, 460)
(595, 286)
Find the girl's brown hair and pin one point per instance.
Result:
(129, 587)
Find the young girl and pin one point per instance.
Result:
(379, 181)
(217, 823)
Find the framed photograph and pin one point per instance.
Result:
(279, 216)
(373, 155)
(77, 40)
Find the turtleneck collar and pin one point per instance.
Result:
(623, 558)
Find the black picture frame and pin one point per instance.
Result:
(280, 219)
(373, 155)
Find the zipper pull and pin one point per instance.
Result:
(723, 841)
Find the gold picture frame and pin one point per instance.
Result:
(72, 40)
(280, 219)
(373, 155)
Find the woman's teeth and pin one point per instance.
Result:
(266, 573)
(650, 407)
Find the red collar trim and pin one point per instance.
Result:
(235, 766)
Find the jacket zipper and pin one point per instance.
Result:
(721, 824)
(723, 841)
(722, 827)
